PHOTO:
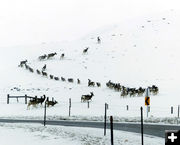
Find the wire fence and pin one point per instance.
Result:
(77, 108)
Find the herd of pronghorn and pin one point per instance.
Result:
(36, 101)
(125, 91)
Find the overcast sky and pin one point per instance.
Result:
(35, 21)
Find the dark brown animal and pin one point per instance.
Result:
(44, 73)
(98, 84)
(51, 103)
(62, 56)
(154, 90)
(51, 76)
(63, 79)
(70, 80)
(44, 68)
(22, 63)
(38, 72)
(51, 55)
(56, 78)
(85, 50)
(87, 97)
(31, 70)
(78, 81)
(26, 66)
(35, 101)
(98, 40)
(90, 83)
(31, 102)
(41, 100)
(42, 57)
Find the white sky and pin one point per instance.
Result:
(36, 21)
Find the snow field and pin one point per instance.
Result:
(54, 135)
(129, 54)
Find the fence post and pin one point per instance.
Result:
(25, 99)
(111, 124)
(142, 126)
(171, 109)
(69, 106)
(127, 107)
(88, 103)
(45, 114)
(7, 98)
(178, 111)
(105, 116)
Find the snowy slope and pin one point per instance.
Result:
(139, 52)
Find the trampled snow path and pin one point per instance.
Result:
(38, 135)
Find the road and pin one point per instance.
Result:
(149, 129)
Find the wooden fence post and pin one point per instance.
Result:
(7, 98)
(25, 99)
(127, 107)
(178, 110)
(171, 109)
(45, 114)
(105, 116)
(88, 103)
(69, 106)
(111, 124)
(142, 141)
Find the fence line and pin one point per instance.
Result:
(126, 109)
(17, 97)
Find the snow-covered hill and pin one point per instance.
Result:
(140, 52)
